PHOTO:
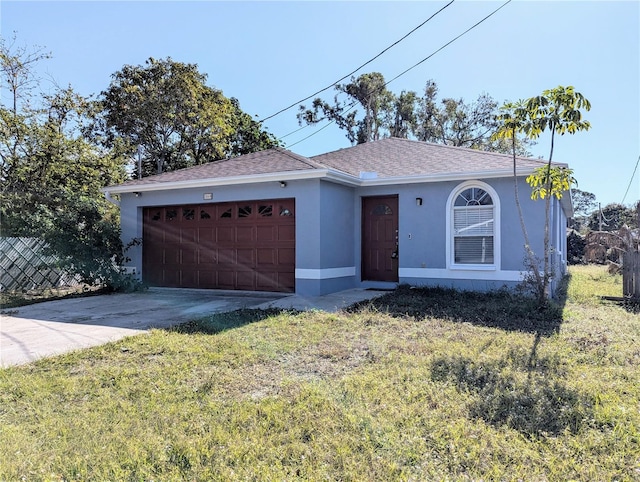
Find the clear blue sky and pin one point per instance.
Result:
(271, 54)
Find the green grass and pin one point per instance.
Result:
(418, 385)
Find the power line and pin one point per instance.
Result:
(450, 42)
(294, 131)
(354, 103)
(630, 180)
(354, 71)
(312, 134)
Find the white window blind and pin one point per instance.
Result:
(473, 228)
(473, 221)
(474, 250)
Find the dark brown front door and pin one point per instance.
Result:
(380, 238)
(238, 246)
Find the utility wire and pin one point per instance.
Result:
(630, 181)
(294, 131)
(450, 42)
(312, 134)
(354, 103)
(366, 63)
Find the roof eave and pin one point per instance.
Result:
(567, 204)
(449, 176)
(327, 174)
(225, 181)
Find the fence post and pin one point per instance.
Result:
(631, 275)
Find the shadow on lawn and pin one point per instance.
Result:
(521, 391)
(537, 405)
(219, 322)
(498, 309)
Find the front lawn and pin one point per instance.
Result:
(419, 385)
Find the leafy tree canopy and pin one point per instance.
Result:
(612, 217)
(584, 203)
(559, 111)
(408, 115)
(165, 112)
(51, 175)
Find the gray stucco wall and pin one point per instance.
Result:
(424, 235)
(337, 218)
(328, 230)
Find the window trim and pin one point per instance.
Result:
(497, 249)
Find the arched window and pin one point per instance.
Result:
(473, 226)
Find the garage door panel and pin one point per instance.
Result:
(172, 278)
(240, 245)
(245, 235)
(266, 257)
(189, 279)
(226, 279)
(286, 281)
(226, 257)
(207, 238)
(172, 255)
(287, 257)
(206, 256)
(245, 280)
(286, 233)
(267, 281)
(226, 235)
(189, 255)
(225, 213)
(207, 279)
(246, 258)
(265, 234)
(188, 235)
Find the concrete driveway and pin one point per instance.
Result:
(53, 327)
(32, 332)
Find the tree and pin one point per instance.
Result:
(51, 176)
(165, 111)
(584, 204)
(247, 135)
(404, 115)
(52, 192)
(16, 64)
(453, 122)
(449, 121)
(612, 217)
(52, 156)
(558, 111)
(510, 122)
(370, 93)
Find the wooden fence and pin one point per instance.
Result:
(24, 267)
(631, 275)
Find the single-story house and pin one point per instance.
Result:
(369, 216)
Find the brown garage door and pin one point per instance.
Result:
(237, 246)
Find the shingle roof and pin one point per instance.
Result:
(388, 158)
(395, 157)
(256, 163)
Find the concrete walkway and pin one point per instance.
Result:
(44, 329)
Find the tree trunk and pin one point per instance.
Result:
(547, 210)
(530, 254)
